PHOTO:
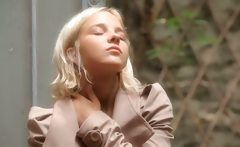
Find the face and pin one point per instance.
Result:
(103, 46)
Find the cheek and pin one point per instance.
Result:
(125, 57)
(86, 51)
(126, 51)
(88, 47)
(88, 55)
(87, 43)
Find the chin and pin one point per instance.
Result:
(114, 67)
(106, 67)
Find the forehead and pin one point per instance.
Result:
(103, 17)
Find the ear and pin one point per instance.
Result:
(71, 55)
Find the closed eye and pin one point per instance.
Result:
(123, 38)
(97, 30)
(98, 33)
(120, 33)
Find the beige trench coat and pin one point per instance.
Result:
(137, 121)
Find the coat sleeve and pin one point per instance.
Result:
(100, 130)
(157, 111)
(38, 125)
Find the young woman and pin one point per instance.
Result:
(99, 102)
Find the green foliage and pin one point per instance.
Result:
(159, 51)
(173, 24)
(169, 48)
(189, 15)
(153, 53)
(167, 53)
(205, 39)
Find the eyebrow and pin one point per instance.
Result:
(102, 25)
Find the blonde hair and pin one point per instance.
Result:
(69, 74)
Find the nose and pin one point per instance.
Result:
(114, 38)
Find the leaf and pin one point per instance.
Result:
(153, 53)
(205, 39)
(156, 52)
(173, 24)
(188, 14)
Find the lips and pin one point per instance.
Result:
(114, 49)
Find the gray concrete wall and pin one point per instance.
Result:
(50, 17)
(15, 67)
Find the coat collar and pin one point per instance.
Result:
(126, 113)
(63, 126)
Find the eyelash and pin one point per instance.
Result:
(123, 38)
(97, 33)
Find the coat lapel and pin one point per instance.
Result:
(63, 126)
(127, 114)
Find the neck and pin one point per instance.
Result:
(106, 88)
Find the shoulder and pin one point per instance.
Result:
(154, 99)
(156, 109)
(152, 88)
(39, 112)
(154, 91)
(38, 122)
(38, 115)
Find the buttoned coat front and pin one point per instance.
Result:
(138, 120)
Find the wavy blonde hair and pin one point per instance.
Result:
(69, 74)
